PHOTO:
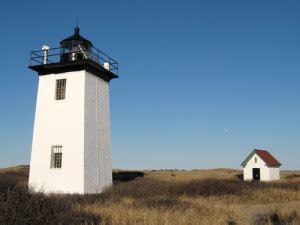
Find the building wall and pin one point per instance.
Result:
(97, 156)
(59, 122)
(274, 173)
(266, 173)
(81, 124)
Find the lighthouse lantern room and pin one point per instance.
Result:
(71, 147)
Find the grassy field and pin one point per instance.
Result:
(167, 197)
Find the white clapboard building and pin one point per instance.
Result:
(71, 147)
(262, 166)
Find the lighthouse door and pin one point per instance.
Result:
(256, 174)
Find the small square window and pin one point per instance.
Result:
(56, 156)
(60, 92)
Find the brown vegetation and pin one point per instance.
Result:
(157, 197)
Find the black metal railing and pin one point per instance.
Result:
(62, 55)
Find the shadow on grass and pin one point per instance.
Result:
(240, 176)
(292, 176)
(125, 176)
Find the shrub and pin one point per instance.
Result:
(276, 217)
(7, 181)
(19, 205)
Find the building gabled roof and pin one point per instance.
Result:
(265, 156)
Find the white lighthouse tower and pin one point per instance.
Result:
(71, 147)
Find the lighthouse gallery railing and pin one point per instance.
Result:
(61, 55)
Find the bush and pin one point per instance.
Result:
(276, 217)
(18, 205)
(7, 181)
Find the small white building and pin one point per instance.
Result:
(262, 166)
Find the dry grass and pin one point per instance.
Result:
(170, 197)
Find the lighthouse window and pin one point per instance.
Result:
(60, 93)
(56, 156)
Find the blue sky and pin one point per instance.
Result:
(201, 83)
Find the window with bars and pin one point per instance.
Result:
(56, 156)
(60, 92)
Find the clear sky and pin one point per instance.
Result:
(202, 83)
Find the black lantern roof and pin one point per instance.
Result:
(75, 40)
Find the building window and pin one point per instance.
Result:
(56, 156)
(255, 160)
(60, 92)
